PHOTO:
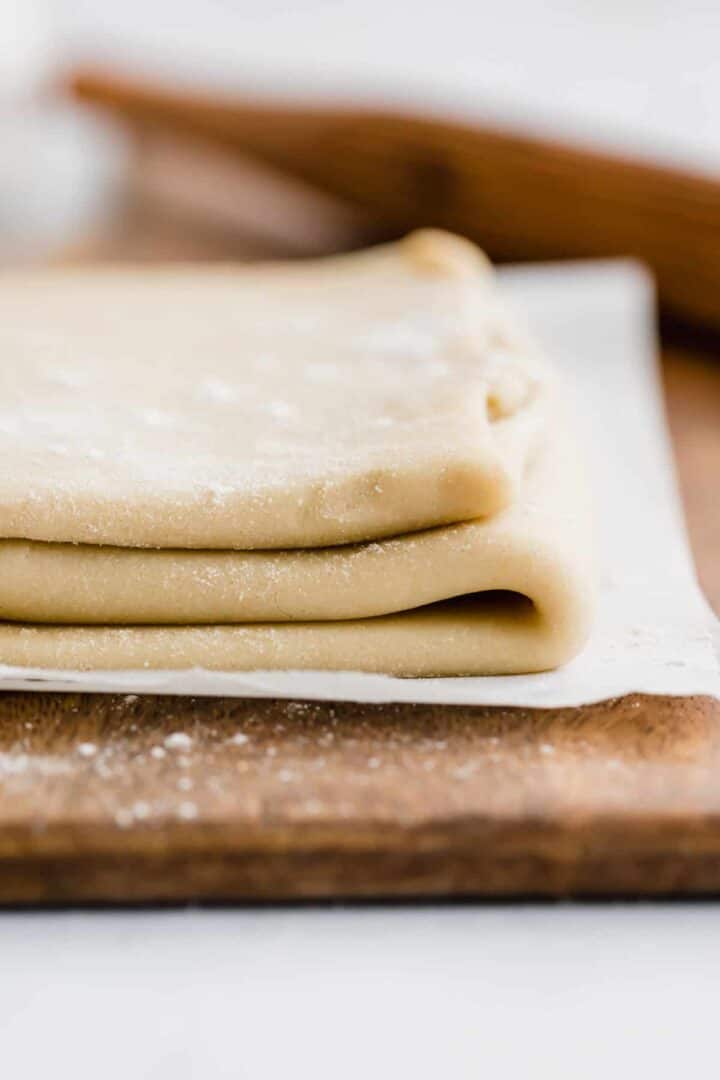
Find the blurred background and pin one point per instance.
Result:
(245, 128)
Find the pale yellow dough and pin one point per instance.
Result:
(199, 475)
(289, 406)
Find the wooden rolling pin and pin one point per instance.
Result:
(520, 197)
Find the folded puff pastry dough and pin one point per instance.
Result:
(357, 463)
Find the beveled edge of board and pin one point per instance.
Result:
(528, 831)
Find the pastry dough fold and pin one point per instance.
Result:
(451, 540)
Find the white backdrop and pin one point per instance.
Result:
(640, 74)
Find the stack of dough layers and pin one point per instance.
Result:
(356, 463)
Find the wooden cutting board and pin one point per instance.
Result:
(120, 798)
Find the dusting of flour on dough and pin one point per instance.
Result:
(138, 403)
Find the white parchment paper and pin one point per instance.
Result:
(655, 633)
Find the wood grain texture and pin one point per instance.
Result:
(692, 384)
(518, 196)
(353, 801)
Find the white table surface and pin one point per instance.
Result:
(581, 992)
